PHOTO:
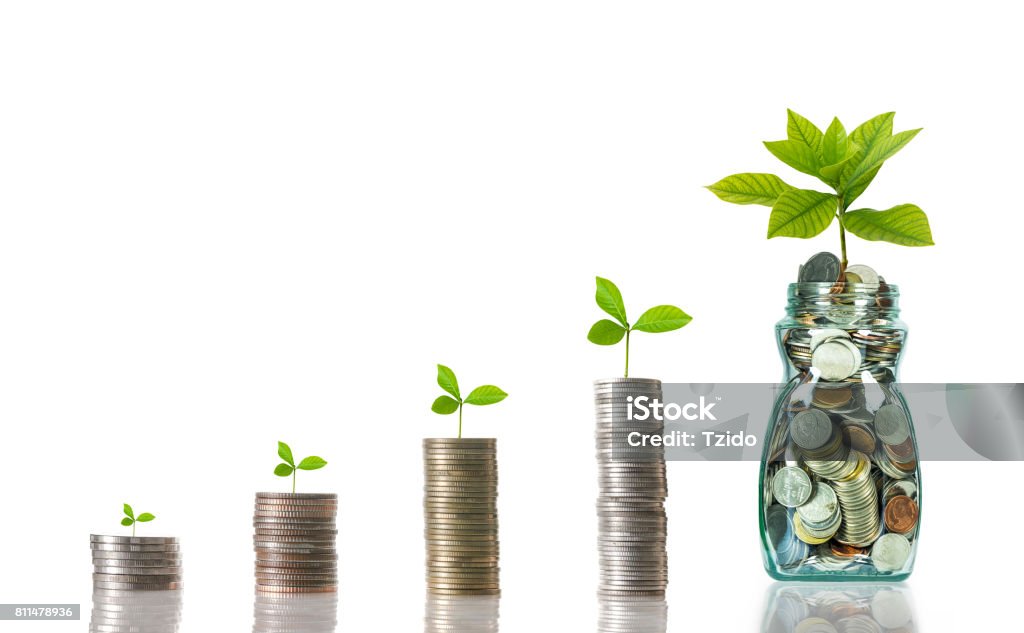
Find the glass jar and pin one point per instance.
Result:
(840, 485)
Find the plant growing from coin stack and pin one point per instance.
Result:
(847, 164)
(288, 468)
(446, 405)
(130, 519)
(663, 318)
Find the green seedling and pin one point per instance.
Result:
(664, 318)
(847, 164)
(446, 405)
(130, 519)
(290, 469)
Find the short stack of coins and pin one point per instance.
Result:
(135, 611)
(841, 491)
(461, 614)
(632, 488)
(460, 511)
(128, 563)
(295, 613)
(295, 543)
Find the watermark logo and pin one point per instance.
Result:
(643, 408)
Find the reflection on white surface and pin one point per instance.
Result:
(632, 615)
(296, 613)
(137, 611)
(831, 608)
(461, 614)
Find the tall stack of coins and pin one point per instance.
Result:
(840, 488)
(295, 613)
(461, 516)
(632, 615)
(632, 489)
(295, 543)
(126, 563)
(461, 614)
(135, 610)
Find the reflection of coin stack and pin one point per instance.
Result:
(124, 563)
(461, 614)
(296, 613)
(461, 516)
(139, 611)
(295, 543)
(635, 615)
(632, 492)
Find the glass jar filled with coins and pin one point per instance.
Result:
(840, 494)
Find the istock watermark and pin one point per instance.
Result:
(655, 409)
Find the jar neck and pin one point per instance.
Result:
(844, 303)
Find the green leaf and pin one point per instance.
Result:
(312, 463)
(874, 129)
(832, 173)
(145, 517)
(801, 213)
(834, 143)
(750, 188)
(127, 522)
(606, 332)
(283, 470)
(285, 452)
(864, 137)
(445, 405)
(796, 154)
(609, 299)
(662, 319)
(486, 394)
(904, 224)
(446, 379)
(800, 129)
(881, 151)
(128, 511)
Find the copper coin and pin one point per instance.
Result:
(902, 453)
(859, 438)
(832, 398)
(901, 514)
(847, 551)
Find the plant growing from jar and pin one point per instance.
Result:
(448, 404)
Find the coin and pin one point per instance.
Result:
(791, 486)
(836, 359)
(811, 429)
(862, 275)
(821, 268)
(891, 424)
(901, 514)
(890, 552)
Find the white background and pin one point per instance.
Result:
(224, 224)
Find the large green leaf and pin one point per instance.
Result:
(800, 129)
(796, 154)
(750, 188)
(801, 213)
(904, 224)
(663, 318)
(864, 136)
(879, 152)
(485, 394)
(146, 517)
(447, 381)
(606, 332)
(873, 129)
(609, 299)
(445, 405)
(834, 143)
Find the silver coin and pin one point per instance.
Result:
(811, 429)
(890, 552)
(891, 424)
(821, 268)
(791, 486)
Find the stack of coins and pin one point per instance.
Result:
(296, 613)
(461, 614)
(295, 542)
(632, 615)
(125, 563)
(632, 491)
(137, 611)
(461, 515)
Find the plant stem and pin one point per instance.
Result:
(460, 420)
(842, 231)
(627, 352)
(295, 473)
(133, 529)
